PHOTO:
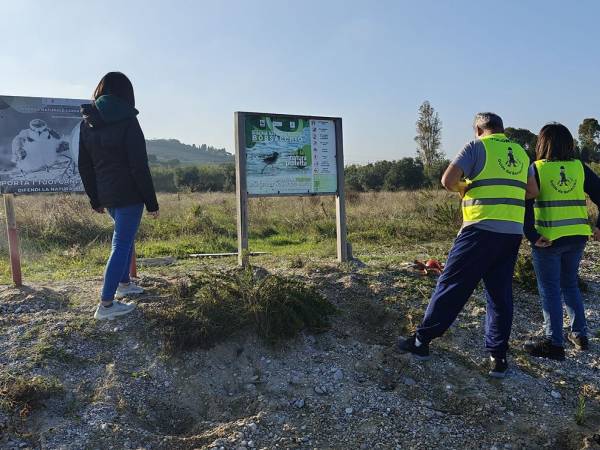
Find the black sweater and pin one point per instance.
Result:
(591, 186)
(113, 163)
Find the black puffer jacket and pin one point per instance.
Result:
(113, 163)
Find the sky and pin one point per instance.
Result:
(193, 63)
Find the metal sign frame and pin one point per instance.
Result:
(242, 194)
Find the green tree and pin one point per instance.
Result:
(525, 138)
(164, 179)
(187, 178)
(429, 138)
(229, 177)
(352, 178)
(406, 173)
(589, 139)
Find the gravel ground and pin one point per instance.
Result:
(343, 389)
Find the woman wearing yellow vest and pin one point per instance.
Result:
(558, 227)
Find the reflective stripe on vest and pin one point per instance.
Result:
(498, 192)
(497, 182)
(560, 209)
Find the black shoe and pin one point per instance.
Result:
(580, 342)
(420, 352)
(544, 348)
(499, 367)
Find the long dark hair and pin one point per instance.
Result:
(555, 142)
(117, 84)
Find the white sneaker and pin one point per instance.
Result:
(123, 290)
(117, 309)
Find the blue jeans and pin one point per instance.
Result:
(556, 271)
(476, 255)
(127, 221)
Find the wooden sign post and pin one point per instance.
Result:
(241, 189)
(241, 165)
(12, 232)
(340, 197)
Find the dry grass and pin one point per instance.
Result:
(61, 235)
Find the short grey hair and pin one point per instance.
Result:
(488, 121)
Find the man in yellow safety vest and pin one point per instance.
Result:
(493, 204)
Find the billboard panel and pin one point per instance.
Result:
(39, 144)
(290, 155)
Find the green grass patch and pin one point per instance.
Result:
(214, 306)
(26, 393)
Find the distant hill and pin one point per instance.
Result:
(167, 150)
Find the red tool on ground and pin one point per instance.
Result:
(430, 267)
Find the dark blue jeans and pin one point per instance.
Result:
(127, 221)
(556, 269)
(476, 255)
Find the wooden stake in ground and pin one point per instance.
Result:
(133, 266)
(13, 239)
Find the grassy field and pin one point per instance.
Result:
(62, 237)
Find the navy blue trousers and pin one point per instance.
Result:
(476, 255)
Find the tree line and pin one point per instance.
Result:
(587, 143)
(423, 170)
(204, 178)
(430, 162)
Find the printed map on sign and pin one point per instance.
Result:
(39, 144)
(290, 155)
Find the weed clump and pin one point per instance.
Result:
(211, 307)
(524, 273)
(26, 393)
(525, 276)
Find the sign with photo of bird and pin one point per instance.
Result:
(289, 155)
(39, 144)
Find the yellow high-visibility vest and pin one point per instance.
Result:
(560, 209)
(498, 192)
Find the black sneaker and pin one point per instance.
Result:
(420, 352)
(544, 348)
(580, 342)
(499, 367)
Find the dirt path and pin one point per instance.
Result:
(343, 389)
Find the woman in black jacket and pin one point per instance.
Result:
(113, 165)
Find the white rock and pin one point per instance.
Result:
(409, 381)
(321, 390)
(349, 410)
(299, 403)
(555, 394)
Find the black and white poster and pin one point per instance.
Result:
(39, 144)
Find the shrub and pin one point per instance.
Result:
(211, 307)
(524, 272)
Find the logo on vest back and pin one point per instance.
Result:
(511, 165)
(563, 184)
